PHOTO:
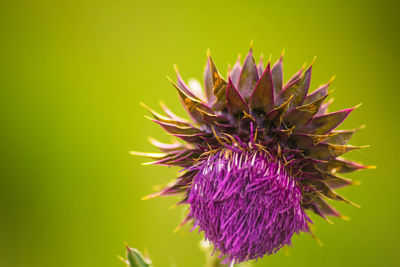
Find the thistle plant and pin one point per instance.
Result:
(256, 155)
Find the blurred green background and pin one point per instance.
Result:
(72, 74)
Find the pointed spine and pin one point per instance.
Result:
(277, 75)
(325, 123)
(219, 86)
(249, 76)
(234, 101)
(262, 97)
(298, 89)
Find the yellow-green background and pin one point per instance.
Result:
(72, 74)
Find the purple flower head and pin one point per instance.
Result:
(247, 203)
(257, 154)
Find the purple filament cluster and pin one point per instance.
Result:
(247, 204)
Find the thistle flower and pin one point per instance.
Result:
(256, 155)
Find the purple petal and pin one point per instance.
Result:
(247, 204)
